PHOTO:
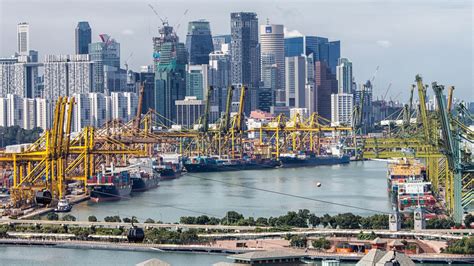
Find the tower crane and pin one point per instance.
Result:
(450, 98)
(136, 123)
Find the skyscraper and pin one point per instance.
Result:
(170, 79)
(295, 81)
(23, 38)
(83, 37)
(344, 76)
(326, 84)
(199, 42)
(245, 55)
(103, 53)
(272, 42)
(197, 81)
(320, 47)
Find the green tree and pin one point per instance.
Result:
(468, 220)
(92, 218)
(321, 243)
(149, 221)
(187, 220)
(231, 218)
(298, 241)
(112, 219)
(68, 217)
(52, 216)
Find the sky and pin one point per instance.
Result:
(404, 38)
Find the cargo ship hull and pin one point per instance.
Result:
(100, 193)
(290, 162)
(168, 173)
(144, 184)
(241, 166)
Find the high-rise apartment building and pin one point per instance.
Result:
(199, 42)
(66, 75)
(19, 76)
(272, 43)
(83, 37)
(103, 53)
(344, 76)
(341, 109)
(23, 38)
(295, 81)
(245, 55)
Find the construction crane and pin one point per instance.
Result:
(386, 91)
(163, 21)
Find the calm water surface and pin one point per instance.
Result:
(361, 184)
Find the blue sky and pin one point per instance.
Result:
(404, 38)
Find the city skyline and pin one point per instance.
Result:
(400, 49)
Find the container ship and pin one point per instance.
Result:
(289, 160)
(213, 164)
(408, 185)
(109, 186)
(143, 174)
(169, 166)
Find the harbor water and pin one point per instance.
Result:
(359, 184)
(45, 256)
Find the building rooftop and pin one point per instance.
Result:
(377, 257)
(153, 262)
(266, 255)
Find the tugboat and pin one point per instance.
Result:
(63, 206)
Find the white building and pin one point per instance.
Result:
(344, 76)
(98, 109)
(123, 105)
(188, 111)
(295, 81)
(3, 112)
(18, 75)
(341, 108)
(43, 113)
(23, 38)
(29, 113)
(66, 75)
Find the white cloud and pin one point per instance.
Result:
(128, 32)
(291, 33)
(384, 43)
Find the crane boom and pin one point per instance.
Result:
(423, 111)
(136, 123)
(205, 122)
(241, 107)
(450, 98)
(225, 126)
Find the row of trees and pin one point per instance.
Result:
(17, 135)
(461, 246)
(303, 218)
